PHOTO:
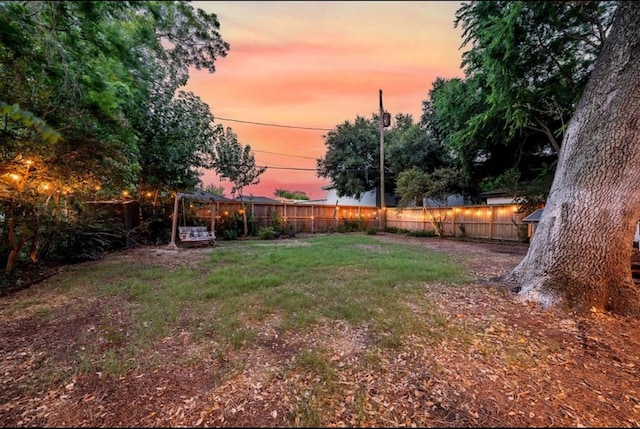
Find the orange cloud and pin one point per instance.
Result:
(318, 64)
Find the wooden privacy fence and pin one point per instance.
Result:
(305, 218)
(497, 222)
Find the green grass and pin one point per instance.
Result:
(298, 283)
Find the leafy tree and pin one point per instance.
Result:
(579, 255)
(95, 72)
(415, 185)
(292, 195)
(535, 58)
(178, 143)
(352, 159)
(526, 67)
(411, 146)
(75, 65)
(215, 190)
(411, 186)
(29, 120)
(20, 182)
(237, 164)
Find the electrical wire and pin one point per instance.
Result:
(289, 168)
(284, 154)
(272, 125)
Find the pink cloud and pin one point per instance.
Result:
(318, 64)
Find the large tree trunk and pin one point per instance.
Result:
(581, 250)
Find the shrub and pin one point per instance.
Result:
(267, 233)
(229, 234)
(352, 225)
(290, 230)
(395, 230)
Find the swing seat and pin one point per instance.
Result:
(195, 233)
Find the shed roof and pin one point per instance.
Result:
(203, 196)
(533, 217)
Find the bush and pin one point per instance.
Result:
(234, 223)
(396, 230)
(229, 234)
(352, 225)
(267, 233)
(81, 242)
(290, 230)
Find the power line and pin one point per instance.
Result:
(284, 154)
(350, 170)
(272, 125)
(290, 168)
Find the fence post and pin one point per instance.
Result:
(453, 221)
(424, 218)
(491, 223)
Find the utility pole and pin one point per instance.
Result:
(383, 215)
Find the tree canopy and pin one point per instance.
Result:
(352, 160)
(293, 195)
(525, 69)
(92, 106)
(100, 73)
(236, 163)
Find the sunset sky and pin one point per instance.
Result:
(317, 64)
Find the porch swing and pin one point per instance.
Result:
(192, 233)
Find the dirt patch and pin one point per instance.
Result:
(512, 364)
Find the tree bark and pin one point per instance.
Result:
(580, 254)
(16, 247)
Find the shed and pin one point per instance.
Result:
(532, 221)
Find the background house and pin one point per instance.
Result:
(369, 199)
(256, 199)
(452, 200)
(498, 196)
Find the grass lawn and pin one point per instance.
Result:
(352, 278)
(342, 330)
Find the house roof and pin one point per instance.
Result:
(318, 201)
(254, 199)
(495, 193)
(533, 217)
(202, 196)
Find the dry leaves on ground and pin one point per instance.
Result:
(506, 363)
